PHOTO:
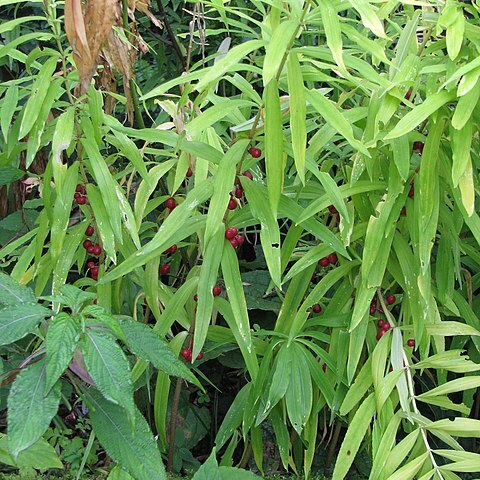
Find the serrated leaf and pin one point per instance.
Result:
(145, 343)
(60, 342)
(29, 409)
(16, 321)
(107, 365)
(13, 293)
(134, 449)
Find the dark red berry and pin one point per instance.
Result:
(170, 203)
(386, 326)
(164, 269)
(82, 200)
(95, 301)
(76, 196)
(238, 193)
(200, 356)
(316, 308)
(234, 242)
(381, 323)
(90, 249)
(97, 250)
(170, 250)
(408, 94)
(324, 367)
(94, 271)
(411, 192)
(216, 290)
(255, 152)
(332, 258)
(390, 299)
(230, 233)
(403, 211)
(314, 276)
(418, 147)
(187, 354)
(411, 342)
(80, 189)
(89, 231)
(189, 172)
(380, 309)
(240, 239)
(95, 277)
(381, 333)
(248, 175)
(332, 209)
(90, 264)
(373, 309)
(324, 262)
(232, 204)
(86, 244)
(195, 297)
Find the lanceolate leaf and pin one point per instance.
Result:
(107, 365)
(134, 449)
(13, 293)
(61, 340)
(29, 409)
(147, 344)
(16, 321)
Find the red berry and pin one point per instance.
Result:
(230, 233)
(248, 175)
(324, 367)
(403, 211)
(238, 193)
(170, 203)
(187, 354)
(90, 264)
(411, 192)
(89, 231)
(380, 309)
(195, 297)
(95, 277)
(171, 250)
(97, 250)
(76, 196)
(94, 271)
(316, 308)
(390, 299)
(381, 333)
(346, 107)
(240, 239)
(95, 301)
(386, 326)
(234, 242)
(324, 262)
(418, 147)
(200, 356)
(80, 189)
(232, 204)
(164, 269)
(82, 200)
(332, 258)
(216, 290)
(255, 152)
(90, 249)
(314, 276)
(373, 309)
(332, 209)
(381, 323)
(86, 244)
(189, 172)
(408, 94)
(411, 342)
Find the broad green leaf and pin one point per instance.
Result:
(60, 142)
(298, 113)
(450, 329)
(13, 293)
(461, 141)
(39, 91)
(118, 474)
(147, 344)
(452, 360)
(467, 189)
(61, 340)
(401, 155)
(107, 365)
(465, 107)
(358, 389)
(354, 437)
(409, 470)
(41, 455)
(134, 449)
(16, 321)
(446, 404)
(333, 32)
(8, 26)
(455, 33)
(458, 427)
(399, 452)
(274, 156)
(30, 411)
(421, 112)
(369, 17)
(277, 49)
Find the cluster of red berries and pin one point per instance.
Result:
(187, 354)
(237, 193)
(93, 269)
(93, 249)
(384, 327)
(231, 234)
(216, 291)
(80, 195)
(389, 300)
(331, 259)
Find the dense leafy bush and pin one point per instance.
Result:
(285, 189)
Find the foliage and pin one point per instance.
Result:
(339, 138)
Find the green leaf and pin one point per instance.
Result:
(450, 329)
(353, 438)
(298, 113)
(16, 321)
(358, 389)
(409, 470)
(10, 174)
(134, 449)
(333, 32)
(107, 365)
(13, 293)
(458, 427)
(60, 342)
(421, 112)
(369, 17)
(9, 105)
(145, 343)
(465, 107)
(30, 411)
(60, 142)
(274, 161)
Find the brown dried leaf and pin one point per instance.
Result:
(118, 55)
